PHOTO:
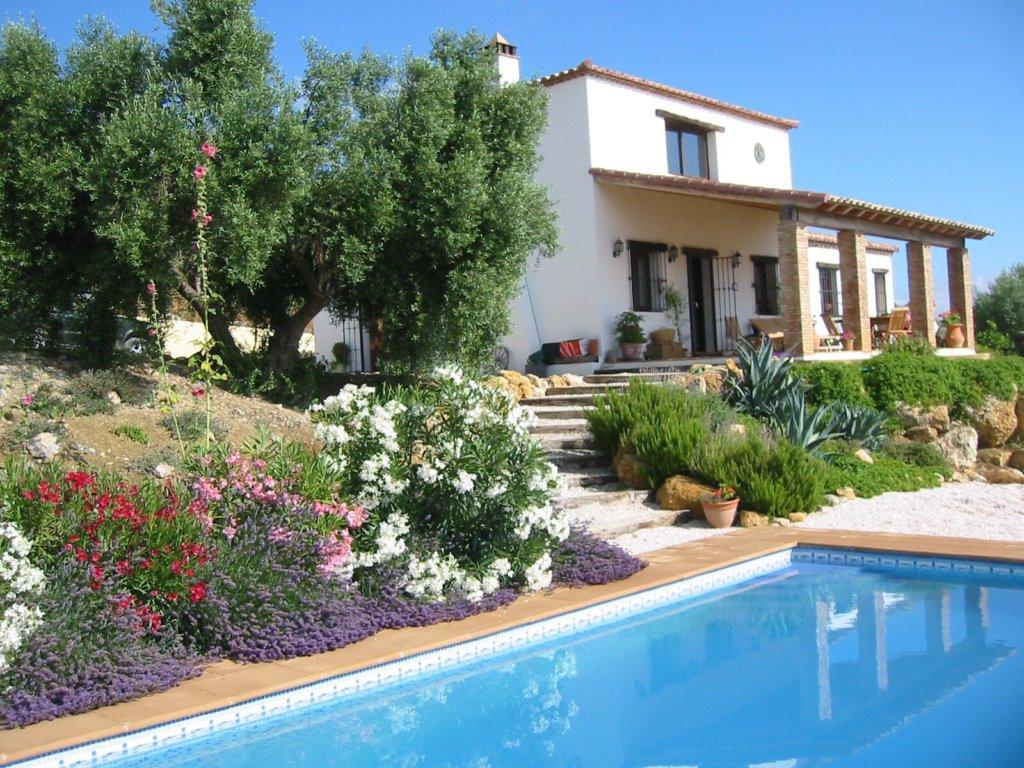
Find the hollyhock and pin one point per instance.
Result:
(27, 400)
(208, 149)
(199, 172)
(150, 287)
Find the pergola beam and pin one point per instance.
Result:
(814, 218)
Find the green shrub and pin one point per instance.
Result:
(886, 474)
(991, 339)
(88, 391)
(192, 425)
(774, 479)
(133, 433)
(829, 383)
(916, 454)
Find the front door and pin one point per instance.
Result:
(701, 284)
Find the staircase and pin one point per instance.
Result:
(593, 492)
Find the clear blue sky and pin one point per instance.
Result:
(914, 104)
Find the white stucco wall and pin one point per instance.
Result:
(818, 254)
(626, 134)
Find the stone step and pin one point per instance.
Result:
(607, 520)
(588, 389)
(560, 427)
(606, 493)
(561, 412)
(625, 377)
(557, 441)
(588, 476)
(565, 400)
(577, 459)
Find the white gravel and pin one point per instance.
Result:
(648, 539)
(970, 510)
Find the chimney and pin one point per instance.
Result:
(508, 59)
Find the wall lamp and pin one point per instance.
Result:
(617, 248)
(736, 258)
(673, 254)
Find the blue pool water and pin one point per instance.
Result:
(810, 665)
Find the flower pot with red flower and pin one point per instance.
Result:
(629, 332)
(720, 507)
(954, 325)
(848, 338)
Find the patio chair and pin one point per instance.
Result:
(897, 327)
(833, 338)
(770, 328)
(733, 334)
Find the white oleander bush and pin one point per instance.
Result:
(457, 491)
(20, 584)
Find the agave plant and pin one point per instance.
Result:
(801, 424)
(860, 423)
(766, 382)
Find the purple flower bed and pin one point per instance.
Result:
(85, 656)
(583, 559)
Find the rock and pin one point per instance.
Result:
(797, 517)
(751, 519)
(846, 492)
(12, 414)
(1020, 417)
(781, 522)
(959, 446)
(574, 380)
(113, 398)
(697, 386)
(163, 470)
(633, 472)
(832, 500)
(681, 492)
(43, 446)
(618, 457)
(997, 457)
(960, 477)
(1001, 475)
(864, 456)
(995, 420)
(733, 369)
(737, 429)
(922, 434)
(936, 417)
(1016, 460)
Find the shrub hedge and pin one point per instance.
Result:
(915, 379)
(675, 432)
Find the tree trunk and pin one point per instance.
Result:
(283, 349)
(220, 327)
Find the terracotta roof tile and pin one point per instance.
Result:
(831, 241)
(587, 67)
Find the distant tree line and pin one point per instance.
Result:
(399, 189)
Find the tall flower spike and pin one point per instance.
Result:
(208, 149)
(199, 172)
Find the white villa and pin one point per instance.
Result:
(656, 186)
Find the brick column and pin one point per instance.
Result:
(922, 291)
(853, 273)
(794, 288)
(961, 293)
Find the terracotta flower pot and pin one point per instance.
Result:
(954, 336)
(847, 345)
(594, 347)
(632, 351)
(720, 514)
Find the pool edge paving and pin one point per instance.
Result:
(224, 684)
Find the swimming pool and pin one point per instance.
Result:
(801, 658)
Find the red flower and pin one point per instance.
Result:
(172, 596)
(198, 592)
(199, 172)
(150, 287)
(197, 391)
(208, 149)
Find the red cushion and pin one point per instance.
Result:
(570, 348)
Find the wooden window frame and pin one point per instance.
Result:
(647, 289)
(834, 288)
(883, 307)
(770, 307)
(701, 131)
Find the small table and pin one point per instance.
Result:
(879, 329)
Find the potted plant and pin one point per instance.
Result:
(720, 507)
(954, 326)
(629, 332)
(342, 356)
(847, 339)
(675, 305)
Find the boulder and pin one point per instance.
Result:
(936, 417)
(922, 433)
(1016, 460)
(43, 446)
(500, 382)
(781, 522)
(633, 472)
(163, 470)
(846, 492)
(1001, 475)
(681, 492)
(574, 380)
(797, 517)
(995, 420)
(697, 385)
(1020, 417)
(996, 457)
(113, 398)
(864, 456)
(751, 519)
(959, 446)
(733, 368)
(737, 430)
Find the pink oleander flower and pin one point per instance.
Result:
(199, 172)
(195, 214)
(27, 400)
(150, 287)
(207, 219)
(208, 149)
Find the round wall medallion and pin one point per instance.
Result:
(759, 152)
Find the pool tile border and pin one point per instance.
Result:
(163, 719)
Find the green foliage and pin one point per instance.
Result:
(675, 308)
(911, 345)
(299, 385)
(859, 423)
(885, 474)
(192, 426)
(88, 390)
(1001, 306)
(131, 432)
(917, 454)
(629, 328)
(676, 432)
(829, 383)
(766, 384)
(991, 339)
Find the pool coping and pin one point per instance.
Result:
(226, 683)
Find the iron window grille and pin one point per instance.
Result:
(766, 285)
(648, 265)
(828, 280)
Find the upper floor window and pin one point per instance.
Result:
(687, 147)
(647, 267)
(766, 284)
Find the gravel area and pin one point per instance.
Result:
(648, 539)
(970, 510)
